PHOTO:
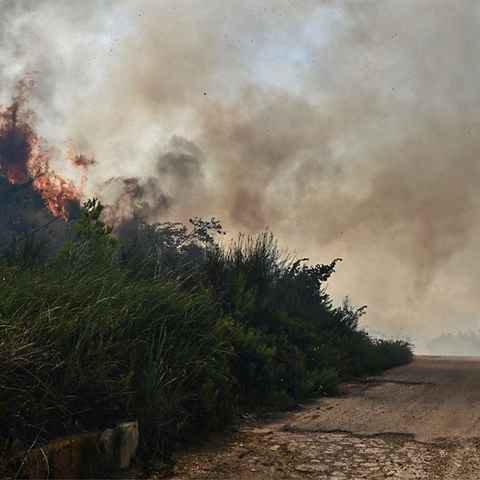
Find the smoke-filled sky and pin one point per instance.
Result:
(351, 129)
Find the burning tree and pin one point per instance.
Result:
(24, 159)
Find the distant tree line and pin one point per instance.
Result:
(459, 344)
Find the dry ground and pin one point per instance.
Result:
(417, 421)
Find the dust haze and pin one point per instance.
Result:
(349, 128)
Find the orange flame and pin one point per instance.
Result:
(22, 157)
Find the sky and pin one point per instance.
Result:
(349, 128)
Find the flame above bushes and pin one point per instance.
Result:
(23, 158)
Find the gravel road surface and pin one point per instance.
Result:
(419, 421)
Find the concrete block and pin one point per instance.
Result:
(120, 444)
(89, 455)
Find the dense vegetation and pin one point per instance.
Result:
(165, 327)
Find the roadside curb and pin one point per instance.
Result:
(88, 455)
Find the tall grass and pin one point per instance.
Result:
(84, 345)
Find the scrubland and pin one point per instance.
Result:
(164, 326)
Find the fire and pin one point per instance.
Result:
(22, 157)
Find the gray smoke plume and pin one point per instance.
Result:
(350, 128)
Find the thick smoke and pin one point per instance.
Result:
(136, 201)
(350, 128)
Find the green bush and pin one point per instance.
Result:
(290, 343)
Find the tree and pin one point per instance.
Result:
(91, 235)
(171, 244)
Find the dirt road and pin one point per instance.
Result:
(417, 421)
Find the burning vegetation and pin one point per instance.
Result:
(26, 165)
(24, 159)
